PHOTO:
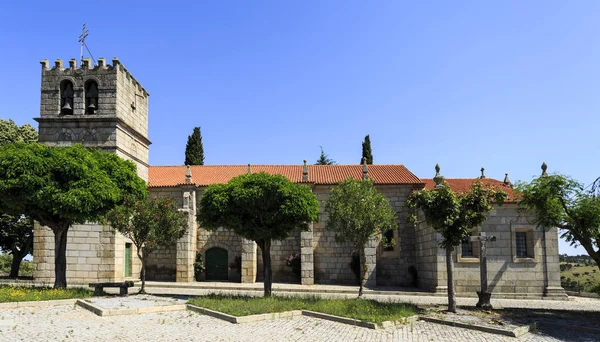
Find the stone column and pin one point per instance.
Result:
(248, 261)
(371, 262)
(186, 246)
(307, 259)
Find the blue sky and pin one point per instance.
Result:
(501, 84)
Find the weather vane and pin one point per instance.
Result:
(84, 34)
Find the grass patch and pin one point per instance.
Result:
(581, 278)
(26, 294)
(360, 309)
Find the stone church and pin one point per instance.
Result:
(104, 106)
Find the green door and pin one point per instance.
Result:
(216, 264)
(127, 260)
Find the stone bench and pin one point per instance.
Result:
(123, 286)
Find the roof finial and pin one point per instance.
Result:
(544, 168)
(482, 173)
(249, 169)
(365, 169)
(188, 174)
(305, 172)
(438, 179)
(507, 181)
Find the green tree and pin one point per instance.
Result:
(62, 186)
(366, 150)
(149, 223)
(10, 132)
(454, 216)
(194, 150)
(16, 231)
(16, 238)
(559, 201)
(259, 207)
(356, 213)
(324, 159)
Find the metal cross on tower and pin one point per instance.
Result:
(84, 33)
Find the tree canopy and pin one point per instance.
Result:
(10, 132)
(194, 150)
(149, 223)
(356, 213)
(16, 238)
(454, 216)
(62, 186)
(259, 207)
(366, 150)
(16, 231)
(324, 159)
(560, 201)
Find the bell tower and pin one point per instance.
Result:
(100, 106)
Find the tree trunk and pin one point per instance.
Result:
(589, 248)
(265, 247)
(450, 274)
(142, 256)
(60, 257)
(16, 263)
(364, 268)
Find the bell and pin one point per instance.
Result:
(91, 107)
(67, 106)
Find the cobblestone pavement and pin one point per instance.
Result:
(72, 323)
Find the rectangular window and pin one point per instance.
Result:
(521, 242)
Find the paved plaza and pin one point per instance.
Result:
(73, 323)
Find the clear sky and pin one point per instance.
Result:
(501, 84)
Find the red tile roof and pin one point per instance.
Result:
(461, 185)
(167, 176)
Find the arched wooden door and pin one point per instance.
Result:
(216, 264)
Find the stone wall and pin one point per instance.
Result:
(161, 264)
(225, 239)
(507, 273)
(426, 255)
(332, 258)
(392, 266)
(94, 253)
(279, 251)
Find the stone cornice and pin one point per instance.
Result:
(95, 118)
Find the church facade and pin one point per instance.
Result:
(106, 107)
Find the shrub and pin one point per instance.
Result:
(576, 275)
(294, 261)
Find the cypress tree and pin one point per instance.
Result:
(324, 159)
(366, 150)
(194, 151)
